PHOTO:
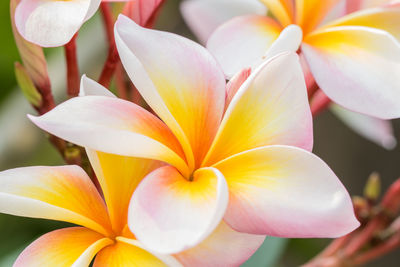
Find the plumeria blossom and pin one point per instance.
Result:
(196, 12)
(355, 59)
(249, 165)
(204, 16)
(54, 23)
(67, 194)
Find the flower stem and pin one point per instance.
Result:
(112, 59)
(72, 68)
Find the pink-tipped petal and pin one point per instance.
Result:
(169, 214)
(242, 42)
(113, 126)
(56, 193)
(376, 130)
(234, 85)
(204, 16)
(270, 108)
(287, 192)
(180, 81)
(357, 67)
(52, 23)
(224, 247)
(74, 246)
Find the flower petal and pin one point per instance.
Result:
(91, 87)
(310, 13)
(287, 192)
(74, 246)
(57, 193)
(355, 5)
(283, 10)
(224, 247)
(374, 129)
(167, 259)
(182, 214)
(52, 23)
(180, 81)
(123, 254)
(204, 16)
(385, 18)
(357, 67)
(271, 107)
(112, 171)
(113, 126)
(242, 42)
(234, 85)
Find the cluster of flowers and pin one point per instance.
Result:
(211, 168)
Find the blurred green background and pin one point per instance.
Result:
(21, 144)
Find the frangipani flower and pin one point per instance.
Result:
(204, 16)
(54, 23)
(250, 165)
(355, 59)
(66, 193)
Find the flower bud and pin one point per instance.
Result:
(32, 55)
(372, 189)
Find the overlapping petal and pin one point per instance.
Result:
(242, 42)
(224, 247)
(180, 81)
(123, 254)
(119, 177)
(234, 85)
(310, 13)
(113, 126)
(357, 67)
(374, 129)
(75, 246)
(282, 10)
(285, 191)
(271, 107)
(204, 16)
(168, 213)
(386, 18)
(167, 259)
(58, 193)
(52, 23)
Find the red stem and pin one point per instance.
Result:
(389, 245)
(121, 83)
(112, 59)
(72, 68)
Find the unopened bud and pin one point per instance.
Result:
(361, 207)
(372, 189)
(26, 84)
(32, 55)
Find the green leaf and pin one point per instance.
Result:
(268, 254)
